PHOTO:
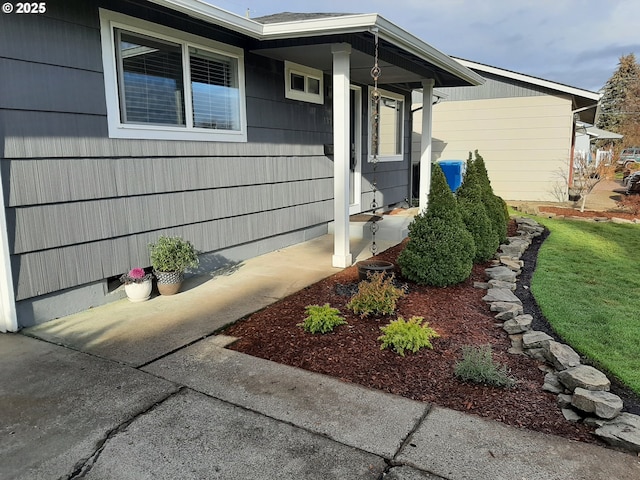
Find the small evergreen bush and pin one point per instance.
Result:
(410, 335)
(474, 215)
(376, 295)
(321, 319)
(440, 250)
(477, 366)
(495, 205)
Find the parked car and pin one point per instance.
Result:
(628, 156)
(633, 183)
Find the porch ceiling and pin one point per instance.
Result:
(399, 67)
(320, 57)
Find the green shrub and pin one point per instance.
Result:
(495, 205)
(172, 254)
(376, 295)
(474, 215)
(321, 319)
(477, 366)
(403, 335)
(440, 250)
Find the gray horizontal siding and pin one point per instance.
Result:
(37, 86)
(288, 116)
(494, 87)
(25, 131)
(45, 181)
(57, 269)
(79, 222)
(83, 207)
(54, 38)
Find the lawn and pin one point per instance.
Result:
(587, 284)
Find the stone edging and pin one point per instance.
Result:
(583, 391)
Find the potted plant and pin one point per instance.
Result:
(137, 284)
(170, 257)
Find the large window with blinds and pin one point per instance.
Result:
(173, 86)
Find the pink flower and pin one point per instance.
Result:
(137, 273)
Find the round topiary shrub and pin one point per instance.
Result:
(440, 250)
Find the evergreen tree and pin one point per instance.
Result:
(618, 97)
(475, 216)
(440, 250)
(496, 206)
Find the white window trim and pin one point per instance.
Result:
(394, 96)
(306, 72)
(108, 22)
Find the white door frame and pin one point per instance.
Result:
(356, 117)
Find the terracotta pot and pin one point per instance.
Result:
(169, 283)
(373, 266)
(138, 292)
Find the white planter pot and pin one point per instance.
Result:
(138, 292)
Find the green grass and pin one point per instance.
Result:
(587, 284)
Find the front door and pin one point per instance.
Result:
(355, 158)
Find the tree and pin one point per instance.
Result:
(440, 250)
(585, 177)
(495, 205)
(475, 216)
(621, 99)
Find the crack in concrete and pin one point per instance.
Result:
(84, 466)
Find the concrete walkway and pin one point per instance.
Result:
(148, 391)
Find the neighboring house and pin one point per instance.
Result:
(586, 137)
(123, 120)
(524, 128)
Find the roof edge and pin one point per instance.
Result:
(320, 26)
(530, 79)
(212, 14)
(367, 23)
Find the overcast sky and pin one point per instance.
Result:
(574, 42)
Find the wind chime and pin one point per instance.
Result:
(375, 140)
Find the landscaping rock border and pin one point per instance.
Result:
(583, 391)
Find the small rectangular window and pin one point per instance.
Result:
(390, 131)
(297, 82)
(314, 86)
(303, 83)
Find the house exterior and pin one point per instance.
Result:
(123, 120)
(586, 136)
(524, 128)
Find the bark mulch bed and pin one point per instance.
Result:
(571, 212)
(352, 352)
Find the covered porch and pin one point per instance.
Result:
(346, 48)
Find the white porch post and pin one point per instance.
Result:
(8, 316)
(341, 65)
(425, 142)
